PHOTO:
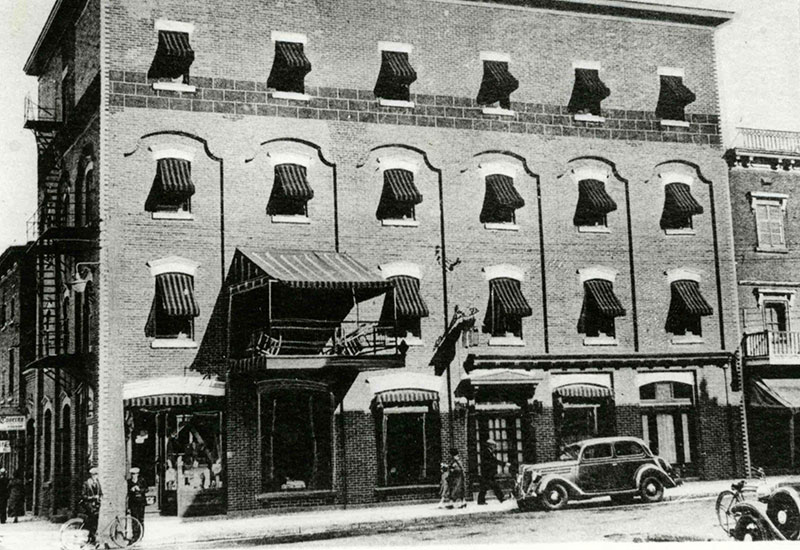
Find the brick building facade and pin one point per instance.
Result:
(327, 243)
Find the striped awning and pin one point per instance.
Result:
(506, 296)
(406, 398)
(673, 97)
(398, 68)
(501, 191)
(174, 55)
(583, 391)
(398, 185)
(678, 201)
(497, 84)
(175, 294)
(308, 269)
(173, 182)
(168, 400)
(593, 197)
(291, 55)
(291, 182)
(589, 81)
(774, 393)
(686, 298)
(406, 298)
(289, 68)
(600, 295)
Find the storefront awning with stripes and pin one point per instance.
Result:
(583, 391)
(174, 391)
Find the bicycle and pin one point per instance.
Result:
(123, 531)
(727, 499)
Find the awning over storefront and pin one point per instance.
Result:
(172, 391)
(600, 293)
(583, 391)
(175, 294)
(775, 393)
(405, 397)
(405, 389)
(686, 298)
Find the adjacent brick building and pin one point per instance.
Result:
(326, 242)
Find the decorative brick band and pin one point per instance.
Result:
(246, 97)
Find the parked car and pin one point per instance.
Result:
(619, 467)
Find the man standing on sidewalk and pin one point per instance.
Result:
(489, 466)
(137, 500)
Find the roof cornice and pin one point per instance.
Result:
(64, 12)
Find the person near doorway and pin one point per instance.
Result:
(489, 465)
(16, 495)
(89, 505)
(137, 500)
(456, 481)
(4, 488)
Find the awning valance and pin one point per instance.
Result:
(679, 202)
(593, 198)
(775, 393)
(406, 398)
(583, 391)
(673, 97)
(291, 182)
(175, 294)
(600, 294)
(174, 55)
(687, 299)
(406, 298)
(497, 84)
(289, 68)
(169, 400)
(398, 185)
(172, 185)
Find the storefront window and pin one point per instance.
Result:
(506, 431)
(409, 448)
(583, 411)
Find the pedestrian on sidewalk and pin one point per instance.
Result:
(89, 505)
(16, 496)
(3, 494)
(456, 481)
(444, 487)
(137, 500)
(489, 466)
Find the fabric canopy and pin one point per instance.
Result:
(775, 393)
(174, 55)
(289, 68)
(600, 295)
(406, 298)
(587, 92)
(172, 185)
(399, 186)
(508, 298)
(593, 197)
(673, 98)
(168, 400)
(406, 397)
(497, 84)
(395, 77)
(501, 200)
(679, 204)
(291, 182)
(308, 269)
(175, 294)
(585, 391)
(687, 299)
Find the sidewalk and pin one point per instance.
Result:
(174, 533)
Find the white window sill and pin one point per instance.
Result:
(400, 223)
(177, 343)
(675, 123)
(290, 219)
(593, 229)
(179, 215)
(501, 226)
(506, 341)
(395, 103)
(686, 339)
(174, 87)
(775, 250)
(498, 111)
(413, 341)
(589, 118)
(291, 95)
(599, 341)
(684, 231)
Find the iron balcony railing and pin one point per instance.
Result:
(772, 345)
(322, 337)
(774, 141)
(63, 210)
(37, 113)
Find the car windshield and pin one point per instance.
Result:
(570, 453)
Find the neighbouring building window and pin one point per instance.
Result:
(770, 211)
(395, 77)
(12, 371)
(290, 67)
(174, 56)
(48, 445)
(668, 420)
(404, 308)
(172, 188)
(587, 92)
(12, 308)
(775, 316)
(174, 307)
(686, 309)
(497, 84)
(679, 207)
(501, 201)
(594, 204)
(506, 308)
(290, 191)
(673, 98)
(399, 197)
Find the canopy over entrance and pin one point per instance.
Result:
(775, 393)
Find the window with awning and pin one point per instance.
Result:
(594, 204)
(679, 206)
(395, 77)
(600, 307)
(497, 84)
(172, 187)
(501, 200)
(506, 308)
(174, 307)
(290, 191)
(587, 92)
(673, 98)
(289, 69)
(404, 307)
(582, 411)
(174, 56)
(686, 308)
(399, 197)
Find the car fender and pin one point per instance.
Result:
(573, 489)
(652, 469)
(747, 509)
(788, 491)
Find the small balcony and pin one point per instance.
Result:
(772, 348)
(768, 141)
(66, 215)
(41, 118)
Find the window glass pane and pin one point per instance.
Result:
(405, 448)
(647, 392)
(628, 448)
(594, 452)
(775, 316)
(681, 391)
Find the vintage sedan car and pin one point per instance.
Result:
(619, 467)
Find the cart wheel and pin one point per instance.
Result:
(749, 528)
(782, 511)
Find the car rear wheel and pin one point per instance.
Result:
(554, 497)
(783, 512)
(651, 489)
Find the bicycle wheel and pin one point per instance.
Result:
(73, 536)
(725, 501)
(126, 531)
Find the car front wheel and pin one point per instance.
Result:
(651, 489)
(554, 497)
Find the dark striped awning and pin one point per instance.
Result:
(175, 294)
(673, 97)
(600, 295)
(291, 55)
(406, 398)
(398, 185)
(583, 391)
(406, 298)
(678, 201)
(169, 400)
(501, 191)
(506, 295)
(291, 182)
(593, 197)
(395, 77)
(587, 92)
(174, 55)
(497, 84)
(173, 182)
(289, 67)
(686, 298)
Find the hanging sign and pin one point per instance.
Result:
(12, 423)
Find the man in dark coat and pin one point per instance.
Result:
(91, 496)
(137, 500)
(489, 464)
(3, 494)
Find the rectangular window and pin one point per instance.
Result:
(506, 431)
(497, 84)
(775, 318)
(679, 207)
(409, 448)
(673, 98)
(12, 371)
(174, 307)
(395, 77)
(289, 69)
(769, 225)
(174, 56)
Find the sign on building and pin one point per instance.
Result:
(12, 423)
(5, 446)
